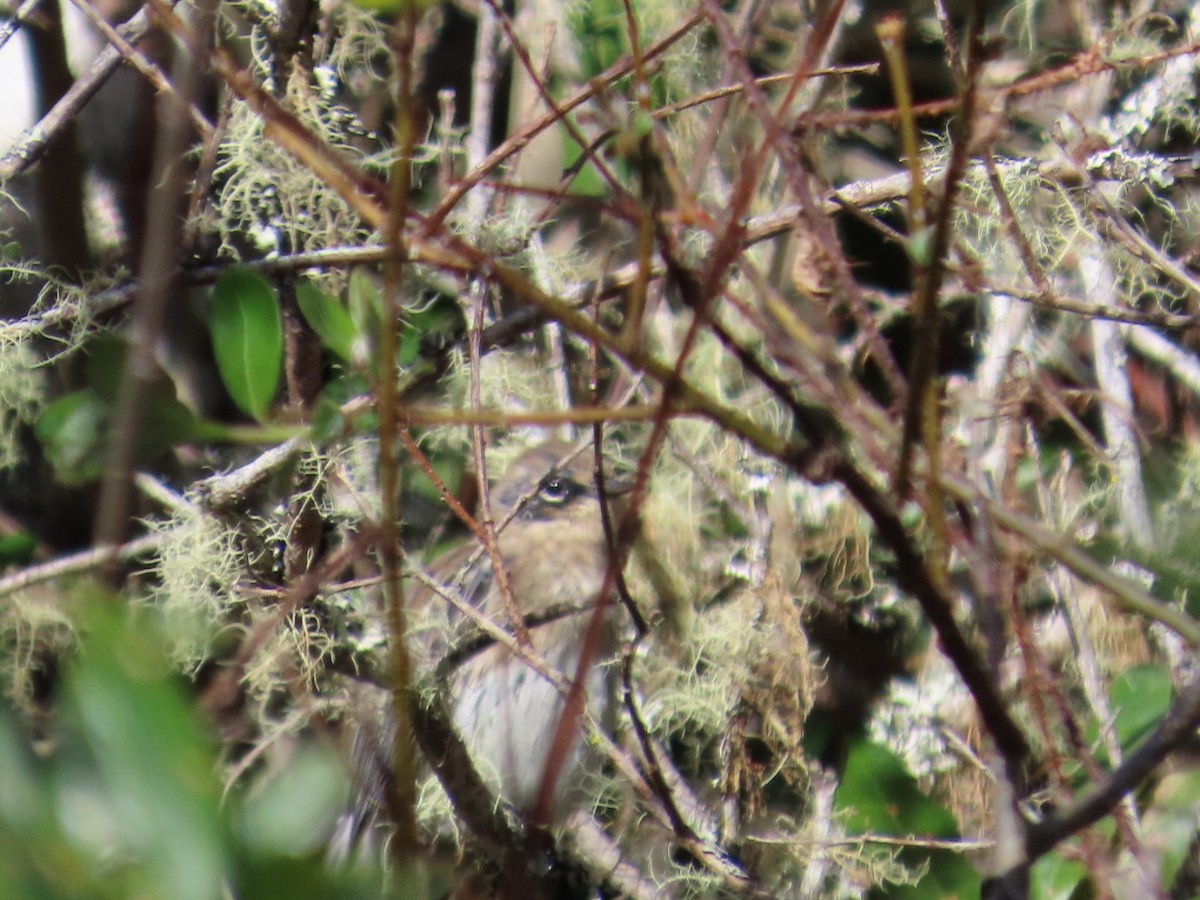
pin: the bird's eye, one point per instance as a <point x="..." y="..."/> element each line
<point x="557" y="490"/>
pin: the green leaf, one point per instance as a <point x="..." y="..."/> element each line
<point x="1055" y="878"/>
<point x="167" y="422"/>
<point x="129" y="805"/>
<point x="600" y="28"/>
<point x="150" y="773"/>
<point x="17" y="549"/>
<point x="588" y="182"/>
<point x="28" y="835"/>
<point x="449" y="469"/>
<point x="366" y="311"/>
<point x="106" y="355"/>
<point x="295" y="813"/>
<point x="1140" y="697"/>
<point x="328" y="318"/>
<point x="327" y="421"/>
<point x="75" y="429"/>
<point x="71" y="429"/>
<point x="1169" y="823"/>
<point x="392" y="7"/>
<point x="642" y="124"/>
<point x="880" y="796"/>
<point x="247" y="337"/>
<point x="24" y="803"/>
<point x="429" y="330"/>
<point x="920" y="246"/>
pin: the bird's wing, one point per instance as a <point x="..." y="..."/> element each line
<point x="436" y="622"/>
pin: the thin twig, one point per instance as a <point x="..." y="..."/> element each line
<point x="1177" y="727"/>
<point x="32" y="145"/>
<point x="558" y="110"/>
<point x="158" y="264"/>
<point x="140" y="61"/>
<point x="19" y="17"/>
<point x="1087" y="63"/>
<point x="79" y="563"/>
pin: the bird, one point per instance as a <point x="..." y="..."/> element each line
<point x="553" y="546"/>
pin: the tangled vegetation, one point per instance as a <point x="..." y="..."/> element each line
<point x="885" y="310"/>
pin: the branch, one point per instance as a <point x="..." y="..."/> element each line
<point x="1177" y="727"/>
<point x="33" y="143"/>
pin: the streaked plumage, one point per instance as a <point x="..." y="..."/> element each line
<point x="555" y="552"/>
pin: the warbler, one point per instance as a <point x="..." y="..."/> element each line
<point x="552" y="543"/>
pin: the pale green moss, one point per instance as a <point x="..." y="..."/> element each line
<point x="196" y="574"/>
<point x="33" y="622"/>
<point x="22" y="396"/>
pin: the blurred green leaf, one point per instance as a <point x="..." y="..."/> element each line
<point x="1140" y="697"/>
<point x="1172" y="563"/>
<point x="105" y="366"/>
<point x="327" y="318"/>
<point x="167" y="422"/>
<point x="365" y="303"/>
<point x="920" y="246"/>
<point x="71" y="430"/>
<point x="287" y="878"/>
<point x="588" y="182"/>
<point x="32" y="855"/>
<point x="327" y="421"/>
<point x="24" y="804"/>
<point x="296" y="811"/>
<point x="1169" y="823"/>
<point x="17" y="549"/>
<point x="75" y="429"/>
<point x="429" y="330"/>
<point x="1055" y="878"/>
<point x="878" y="795"/>
<point x="247" y="337"/>
<point x="129" y="804"/>
<point x="391" y="7"/>
<point x="447" y="466"/>
<point x="153" y="765"/>
<point x="601" y="30"/>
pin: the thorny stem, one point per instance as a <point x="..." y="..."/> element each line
<point x="642" y="137"/>
<point x="487" y="532"/>
<point x="405" y="845"/>
<point x="920" y="415"/>
<point x="890" y="31"/>
<point x="1087" y="63"/>
<point x="522" y="53"/>
<point x="557" y="111"/>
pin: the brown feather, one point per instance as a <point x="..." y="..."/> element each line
<point x="551" y="540"/>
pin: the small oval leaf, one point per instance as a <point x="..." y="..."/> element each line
<point x="1140" y="697"/>
<point x="327" y="421"/>
<point x="327" y="318"/>
<point x="920" y="246"/>
<point x="392" y="7"/>
<point x="71" y="430"/>
<point x="247" y="338"/>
